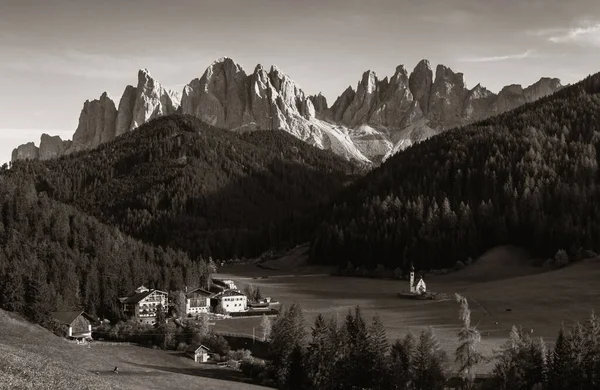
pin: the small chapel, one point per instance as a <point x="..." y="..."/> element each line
<point x="420" y="288"/>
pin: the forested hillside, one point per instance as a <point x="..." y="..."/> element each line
<point x="528" y="177"/>
<point x="53" y="257"/>
<point x="181" y="183"/>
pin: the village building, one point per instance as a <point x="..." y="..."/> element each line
<point x="76" y="324"/>
<point x="225" y="284"/>
<point x="420" y="287"/>
<point x="197" y="301"/>
<point x="142" y="304"/>
<point x="231" y="301"/>
<point x="198" y="352"/>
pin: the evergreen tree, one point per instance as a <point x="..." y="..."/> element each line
<point x="429" y="361"/>
<point x="296" y="374"/>
<point x="559" y="364"/>
<point x="12" y="291"/>
<point x="265" y="326"/>
<point x="591" y="357"/>
<point x="402" y="363"/>
<point x="287" y="332"/>
<point x="37" y="299"/>
<point x="380" y="348"/>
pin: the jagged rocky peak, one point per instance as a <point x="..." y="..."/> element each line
<point x="96" y="123"/>
<point x="218" y="97"/>
<point x="25" y="151"/>
<point x="125" y="111"/>
<point x="544" y="87"/>
<point x="420" y="82"/>
<point x="446" y="98"/>
<point x="152" y="100"/>
<point x="319" y="102"/>
<point x="52" y="146"/>
<point x="480" y="92"/>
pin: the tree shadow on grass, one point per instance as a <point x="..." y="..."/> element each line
<point x="203" y="370"/>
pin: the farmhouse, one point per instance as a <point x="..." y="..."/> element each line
<point x="197" y="301"/>
<point x="232" y="301"/>
<point x="142" y="304"/>
<point x="198" y="352"/>
<point x="77" y="324"/>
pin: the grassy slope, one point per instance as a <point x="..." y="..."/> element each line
<point x="33" y="358"/>
<point x="538" y="300"/>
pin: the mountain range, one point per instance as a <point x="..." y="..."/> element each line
<point x="366" y="124"/>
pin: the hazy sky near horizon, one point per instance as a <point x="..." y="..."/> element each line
<point x="55" y="54"/>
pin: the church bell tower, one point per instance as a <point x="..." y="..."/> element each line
<point x="412" y="278"/>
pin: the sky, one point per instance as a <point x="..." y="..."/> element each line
<point x="55" y="54"/>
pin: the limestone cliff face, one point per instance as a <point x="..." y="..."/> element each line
<point x="409" y="108"/>
<point x="25" y="152"/>
<point x="366" y="124"/>
<point x="52" y="146"/>
<point x="225" y="96"/>
<point x="152" y="100"/>
<point x="100" y="121"/>
<point x="96" y="123"/>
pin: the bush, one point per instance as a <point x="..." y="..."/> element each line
<point x="561" y="259"/>
<point x="217" y="344"/>
<point x="398" y="274"/>
<point x="182" y="346"/>
<point x="253" y="368"/>
<point x="459" y="265"/>
<point x="240" y="354"/>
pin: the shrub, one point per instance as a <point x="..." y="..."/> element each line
<point x="561" y="259"/>
<point x="253" y="368"/>
<point x="398" y="274"/>
<point x="459" y="265"/>
<point x="240" y="354"/>
<point x="182" y="346"/>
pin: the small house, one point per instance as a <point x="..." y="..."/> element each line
<point x="226" y="284"/>
<point x="77" y="324"/>
<point x="198" y="352"/>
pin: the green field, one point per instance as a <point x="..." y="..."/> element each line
<point x="33" y="358"/>
<point x="502" y="279"/>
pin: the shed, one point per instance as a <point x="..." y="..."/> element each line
<point x="198" y="352"/>
<point x="78" y="324"/>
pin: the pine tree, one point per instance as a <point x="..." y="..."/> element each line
<point x="467" y="355"/>
<point x="379" y="350"/>
<point x="12" y="291"/>
<point x="592" y="355"/>
<point x="287" y="332"/>
<point x="401" y="363"/>
<point x="296" y="375"/>
<point x="429" y="361"/>
<point x="37" y="297"/>
<point x="559" y="364"/>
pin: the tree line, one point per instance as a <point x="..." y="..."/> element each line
<point x="356" y="354"/>
<point x="528" y="177"/>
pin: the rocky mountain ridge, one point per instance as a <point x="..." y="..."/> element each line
<point x="366" y="124"/>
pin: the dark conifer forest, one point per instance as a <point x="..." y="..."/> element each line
<point x="54" y="257"/>
<point x="180" y="183"/>
<point x="528" y="177"/>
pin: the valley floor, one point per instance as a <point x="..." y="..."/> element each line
<point x="502" y="287"/>
<point x="33" y="358"/>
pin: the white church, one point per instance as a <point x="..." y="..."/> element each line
<point x="420" y="288"/>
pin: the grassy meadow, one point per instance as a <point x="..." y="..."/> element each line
<point x="503" y="289"/>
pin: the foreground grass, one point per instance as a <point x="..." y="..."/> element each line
<point x="33" y="358"/>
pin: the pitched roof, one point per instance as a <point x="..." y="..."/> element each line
<point x="198" y="290"/>
<point x="67" y="317"/>
<point x="229" y="293"/>
<point x="195" y="347"/>
<point x="136" y="297"/>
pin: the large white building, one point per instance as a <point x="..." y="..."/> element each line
<point x="144" y="303"/>
<point x="232" y="301"/>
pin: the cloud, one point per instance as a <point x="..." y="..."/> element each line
<point x="527" y="54"/>
<point x="585" y="36"/>
<point x="94" y="65"/>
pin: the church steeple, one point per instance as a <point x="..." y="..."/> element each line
<point x="412" y="277"/>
